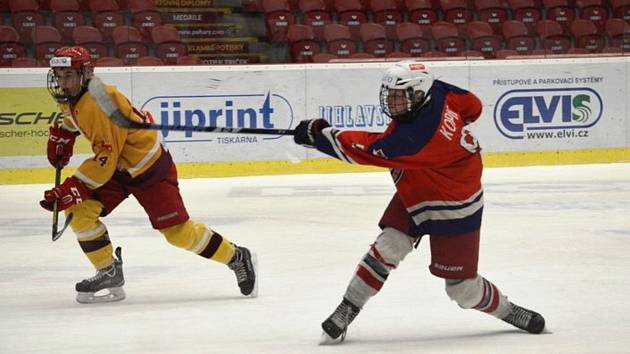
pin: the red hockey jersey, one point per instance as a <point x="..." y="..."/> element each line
<point x="434" y="160"/>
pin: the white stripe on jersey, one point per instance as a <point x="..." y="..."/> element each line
<point x="154" y="150"/>
<point x="331" y="135"/>
<point x="446" y="209"/>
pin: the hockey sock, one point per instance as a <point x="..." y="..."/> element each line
<point x="480" y="294"/>
<point x="200" y="239"/>
<point x="384" y="255"/>
<point x="91" y="233"/>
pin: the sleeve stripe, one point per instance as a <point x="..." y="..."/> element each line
<point x="87" y="180"/>
<point x="331" y="135"/>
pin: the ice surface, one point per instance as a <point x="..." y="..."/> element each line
<point x="554" y="239"/>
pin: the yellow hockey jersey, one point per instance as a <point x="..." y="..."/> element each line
<point x="115" y="148"/>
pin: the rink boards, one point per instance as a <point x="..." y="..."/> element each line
<point x="553" y="111"/>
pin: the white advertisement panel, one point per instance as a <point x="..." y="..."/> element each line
<point x="552" y="105"/>
<point x="256" y="97"/>
<point x="529" y="105"/>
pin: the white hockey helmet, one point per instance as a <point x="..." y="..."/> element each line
<point x="404" y="88"/>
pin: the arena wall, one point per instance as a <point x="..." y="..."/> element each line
<point x="552" y="111"/>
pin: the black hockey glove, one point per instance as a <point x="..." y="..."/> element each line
<point x="308" y="130"/>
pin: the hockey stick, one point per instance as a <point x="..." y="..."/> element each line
<point x="105" y="103"/>
<point x="55" y="218"/>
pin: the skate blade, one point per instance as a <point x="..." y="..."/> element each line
<point x="254" y="292"/>
<point x="109" y="295"/>
<point x="325" y="339"/>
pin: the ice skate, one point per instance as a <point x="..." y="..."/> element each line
<point x="336" y="325"/>
<point x="105" y="286"/>
<point x="244" y="265"/>
<point x="525" y="319"/>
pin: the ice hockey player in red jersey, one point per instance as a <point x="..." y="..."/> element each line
<point x="125" y="161"/>
<point x="435" y="163"/>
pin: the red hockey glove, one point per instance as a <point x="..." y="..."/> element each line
<point x="308" y="130"/>
<point x="67" y="194"/>
<point x="60" y="143"/>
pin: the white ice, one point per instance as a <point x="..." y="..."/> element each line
<point x="554" y="239"/>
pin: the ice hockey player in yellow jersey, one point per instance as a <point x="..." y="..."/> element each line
<point x="125" y="161"/>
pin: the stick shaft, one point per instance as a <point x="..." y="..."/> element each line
<point x="55" y="214"/>
<point x="263" y="131"/>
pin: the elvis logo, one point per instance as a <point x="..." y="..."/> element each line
<point x="519" y="111"/>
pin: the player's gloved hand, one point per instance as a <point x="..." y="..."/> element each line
<point x="60" y="144"/>
<point x="307" y="130"/>
<point x="70" y="192"/>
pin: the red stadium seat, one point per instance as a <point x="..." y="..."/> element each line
<point x="189" y="60"/>
<point x="339" y="40"/>
<point x="303" y="45"/>
<point x="526" y="12"/>
<point x="23" y="5"/>
<point x="46" y="39"/>
<point x="593" y="10"/>
<point x="386" y="13"/>
<point x="149" y="61"/>
<point x="350" y="13"/>
<point x="456" y="12"/>
<point x="169" y="45"/>
<point x="578" y="51"/>
<point x="323" y="57"/>
<point x="561" y="12"/>
<point x="412" y="39"/>
<point x="316" y="15"/>
<point x="421" y="12"/>
<point x="140" y="5"/>
<point x="492" y="12"/>
<point x="24" y="62"/>
<point x="517" y="37"/>
<point x="436" y="54"/>
<point x="144" y="16"/>
<point x="92" y="39"/>
<point x="128" y="44"/>
<point x="10" y="46"/>
<point x="505" y="53"/>
<point x="447" y="38"/>
<point x="106" y="16"/>
<point x="26" y="16"/>
<point x="109" y="61"/>
<point x="66" y="17"/>
<point x="375" y="41"/>
<point x="612" y="50"/>
<point x="278" y="17"/>
<point x="618" y="33"/>
<point x="483" y="39"/>
<point x="586" y="35"/>
<point x="396" y="54"/>
<point x="621" y="9"/>
<point x="361" y="55"/>
<point x="472" y="54"/>
<point x="552" y="37"/>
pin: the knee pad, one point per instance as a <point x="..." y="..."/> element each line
<point x="391" y="247"/>
<point x="467" y="293"/>
<point x="85" y="218"/>
<point x="183" y="235"/>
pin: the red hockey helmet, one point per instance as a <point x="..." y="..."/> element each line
<point x="77" y="58"/>
<point x="74" y="57"/>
